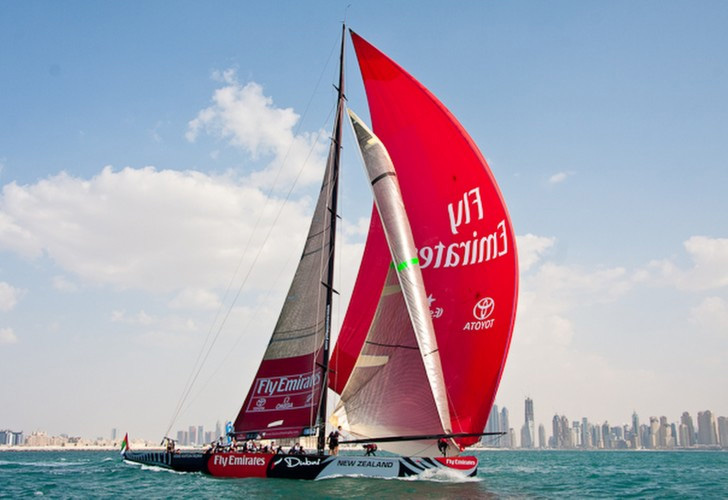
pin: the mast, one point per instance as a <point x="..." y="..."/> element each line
<point x="329" y="284"/>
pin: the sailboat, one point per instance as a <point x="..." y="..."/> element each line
<point x="422" y="347"/>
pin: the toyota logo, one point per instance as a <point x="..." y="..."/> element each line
<point x="483" y="308"/>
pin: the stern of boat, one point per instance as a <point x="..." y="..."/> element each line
<point x="178" y="461"/>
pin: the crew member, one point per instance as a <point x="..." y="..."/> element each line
<point x="442" y="446"/>
<point x="334" y="441"/>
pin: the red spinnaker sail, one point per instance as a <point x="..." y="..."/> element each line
<point x="464" y="237"/>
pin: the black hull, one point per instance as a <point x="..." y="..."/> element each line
<point x="242" y="465"/>
<point x="181" y="462"/>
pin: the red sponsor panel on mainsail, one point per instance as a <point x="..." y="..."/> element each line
<point x="465" y="241"/>
<point x="283" y="400"/>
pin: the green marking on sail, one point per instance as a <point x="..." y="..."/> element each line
<point x="406" y="263"/>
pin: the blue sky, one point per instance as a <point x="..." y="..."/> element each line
<point x="139" y="140"/>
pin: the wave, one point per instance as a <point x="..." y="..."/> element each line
<point x="154" y="468"/>
<point x="62" y="463"/>
<point x="430" y="475"/>
<point x="441" y="476"/>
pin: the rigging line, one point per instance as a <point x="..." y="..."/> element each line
<point x="250" y="269"/>
<point x="242" y="335"/>
<point x="188" y="385"/>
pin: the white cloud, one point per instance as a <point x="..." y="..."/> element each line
<point x="712" y="314"/>
<point x="246" y="118"/>
<point x="709" y="269"/>
<point x="153" y="230"/>
<point x="13" y="236"/>
<point x="9" y="296"/>
<point x="64" y="284"/>
<point x="140" y="319"/>
<point x="7" y="336"/>
<point x="559" y="177"/>
<point x="154" y="132"/>
<point x="190" y="298"/>
<point x="228" y="76"/>
<point x="531" y="248"/>
<point x="557" y="351"/>
<point x="360" y="228"/>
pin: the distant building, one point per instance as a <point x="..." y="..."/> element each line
<point x="528" y="431"/>
<point x="493" y="426"/>
<point x="707" y="432"/>
<point x="665" y="436"/>
<point x="689" y="431"/>
<point x="557" y="438"/>
<point x="723" y="431"/>
<point x="509" y="440"/>
<point x="636" y="438"/>
<point x="11" y="438"/>
<point x="606" y="436"/>
<point x="512" y="443"/>
<point x="40" y="438"/>
<point x="576" y="434"/>
<point x="541" y="436"/>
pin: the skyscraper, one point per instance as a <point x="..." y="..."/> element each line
<point x="723" y="431"/>
<point x="528" y="431"/>
<point x="493" y="425"/>
<point x="506" y="427"/>
<point x="637" y="439"/>
<point x="576" y="434"/>
<point x="586" y="437"/>
<point x="541" y="436"/>
<point x="707" y="433"/>
<point x="687" y="421"/>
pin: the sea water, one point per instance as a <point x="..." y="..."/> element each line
<point x="501" y="474"/>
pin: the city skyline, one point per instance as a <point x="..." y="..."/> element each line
<point x="688" y="431"/>
<point x="146" y="149"/>
<point x="711" y="431"/>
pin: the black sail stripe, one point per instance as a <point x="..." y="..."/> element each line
<point x="382" y="176"/>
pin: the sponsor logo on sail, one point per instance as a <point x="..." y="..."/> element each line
<point x="275" y="386"/>
<point x="435" y="312"/>
<point x="482" y="310"/>
<point x="286" y="404"/>
<point x="464" y="216"/>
